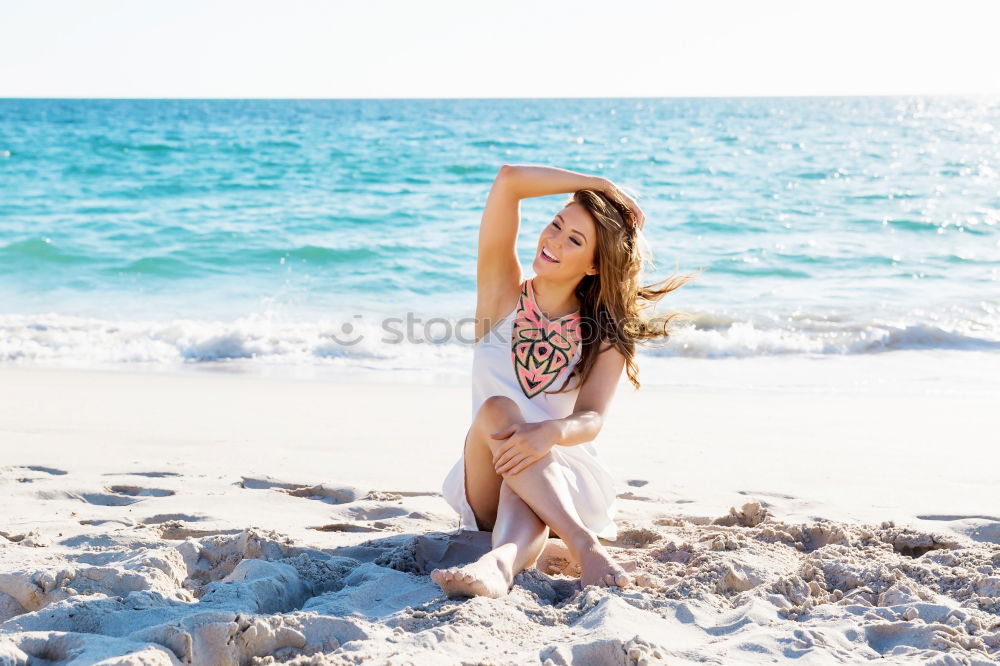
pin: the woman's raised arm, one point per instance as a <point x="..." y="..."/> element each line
<point x="539" y="181"/>
<point x="498" y="271"/>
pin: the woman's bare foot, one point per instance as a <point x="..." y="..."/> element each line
<point x="597" y="568"/>
<point x="489" y="576"/>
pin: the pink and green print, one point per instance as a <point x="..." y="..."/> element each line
<point x="541" y="349"/>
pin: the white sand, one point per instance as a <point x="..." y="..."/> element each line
<point x="168" y="519"/>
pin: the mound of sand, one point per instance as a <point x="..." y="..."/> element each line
<point x="740" y="587"/>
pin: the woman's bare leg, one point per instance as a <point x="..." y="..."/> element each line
<point x="518" y="539"/>
<point x="518" y="524"/>
<point x="518" y="534"/>
<point x="542" y="489"/>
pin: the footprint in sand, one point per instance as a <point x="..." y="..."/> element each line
<point x="329" y="493"/>
<point x="138" y="491"/>
<point x="267" y="483"/>
<point x="27" y="478"/>
<point x="100" y="499"/>
<point x="107" y="499"/>
<point x="377" y="512"/>
<point x="114" y="495"/>
<point x="45" y="470"/>
<point x="956" y="517"/>
<point x="168" y="517"/>
<point x="156" y="475"/>
<point x="389" y="495"/>
<point x="157" y="519"/>
<point x="345" y="527"/>
<point x="324" y="493"/>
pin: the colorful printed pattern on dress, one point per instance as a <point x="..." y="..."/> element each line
<point x="541" y="349"/>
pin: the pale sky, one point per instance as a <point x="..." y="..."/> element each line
<point x="515" y="48"/>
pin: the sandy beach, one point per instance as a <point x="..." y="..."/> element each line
<point x="224" y="519"/>
<point x="262" y="265"/>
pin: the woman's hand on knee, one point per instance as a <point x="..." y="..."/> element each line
<point x="525" y="443"/>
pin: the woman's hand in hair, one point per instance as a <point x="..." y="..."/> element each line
<point x="615" y="192"/>
<point x="526" y="444"/>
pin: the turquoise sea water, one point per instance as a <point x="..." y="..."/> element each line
<point x="172" y="233"/>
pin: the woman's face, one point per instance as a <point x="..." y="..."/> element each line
<point x="571" y="239"/>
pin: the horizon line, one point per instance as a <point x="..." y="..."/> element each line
<point x="554" y="97"/>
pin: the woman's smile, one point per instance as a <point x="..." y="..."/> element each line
<point x="547" y="256"/>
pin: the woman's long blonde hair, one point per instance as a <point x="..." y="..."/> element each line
<point x="612" y="301"/>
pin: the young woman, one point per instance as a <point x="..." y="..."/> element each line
<point x="549" y="353"/>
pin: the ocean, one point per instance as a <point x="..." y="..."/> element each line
<point x="848" y="242"/>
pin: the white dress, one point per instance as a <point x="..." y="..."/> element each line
<point x="524" y="354"/>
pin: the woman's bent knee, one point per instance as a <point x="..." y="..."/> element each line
<point x="499" y="405"/>
<point x="496" y="412"/>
